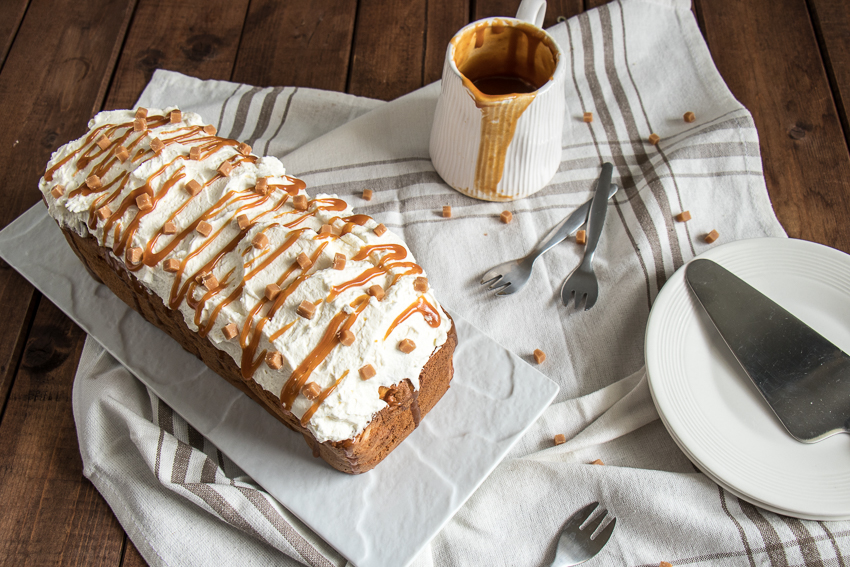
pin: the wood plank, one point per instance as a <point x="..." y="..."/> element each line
<point x="389" y="47"/>
<point x="194" y="37"/>
<point x="444" y="19"/>
<point x="301" y="44"/>
<point x="51" y="513"/>
<point x="20" y="301"/>
<point x="132" y="557"/>
<point x="11" y="14"/>
<point x="780" y="78"/>
<point x="831" y="20"/>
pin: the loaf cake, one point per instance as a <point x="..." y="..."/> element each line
<point x="320" y="315"/>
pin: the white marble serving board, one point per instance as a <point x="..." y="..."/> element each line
<point x="383" y="517"/>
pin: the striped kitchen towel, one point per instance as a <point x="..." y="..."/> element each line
<point x="638" y="65"/>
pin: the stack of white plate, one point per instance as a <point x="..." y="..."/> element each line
<point x="712" y="409"/>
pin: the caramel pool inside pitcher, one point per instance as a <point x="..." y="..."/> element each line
<point x="502" y="64"/>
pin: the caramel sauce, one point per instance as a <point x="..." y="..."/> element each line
<point x="421" y="305"/>
<point x="502" y="65"/>
<point x="305" y="419"/>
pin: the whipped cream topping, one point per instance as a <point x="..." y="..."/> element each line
<point x="128" y="183"/>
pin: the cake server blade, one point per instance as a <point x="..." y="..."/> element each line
<point x="804" y="378"/>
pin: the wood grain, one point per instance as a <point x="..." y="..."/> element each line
<point x="11" y="14"/>
<point x="389" y="43"/>
<point x="781" y="79"/>
<point x="444" y="19"/>
<point x="831" y="22"/>
<point x="194" y="37"/>
<point x="51" y="515"/>
<point x="301" y="44"/>
<point x="131" y="557"/>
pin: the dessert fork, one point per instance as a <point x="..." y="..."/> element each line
<point x="510" y="277"/>
<point x="577" y="545"/>
<point x="582" y="282"/>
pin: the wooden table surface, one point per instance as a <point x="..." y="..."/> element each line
<point x="61" y="61"/>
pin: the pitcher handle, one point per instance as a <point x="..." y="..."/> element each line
<point x="532" y="11"/>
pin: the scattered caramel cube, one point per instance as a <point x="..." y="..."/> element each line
<point x="380" y="230"/>
<point x="684" y="216"/>
<point x="377" y="292"/>
<point x="689" y="117"/>
<point x="339" y="261"/>
<point x="210" y="281"/>
<point x="346" y="337"/>
<point x="271" y="291"/>
<point x="367" y="194"/>
<point x="447" y="211"/>
<point x="306" y="309"/>
<point x="140" y="125"/>
<point x="193" y="187"/>
<point x="175" y="116"/>
<point x="712" y="236"/>
<point x="143" y="201"/>
<point x="597" y="462"/>
<point x="311" y="390"/>
<point x="122" y="153"/>
<point x="406" y="346"/>
<point x="195" y="152"/>
<point x="243" y="149"/>
<point x="210" y="130"/>
<point x="304" y="261"/>
<point x="588" y="117"/>
<point x="243" y="222"/>
<point x="104" y="142"/>
<point x="326" y="229"/>
<point x="229" y="331"/>
<point x="560" y="439"/>
<point x="157" y="145"/>
<point x="420" y="284"/>
<point x="274" y="360"/>
<point x="58" y="191"/>
<point x="226" y="168"/>
<point x="581" y="237"/>
<point x="171" y="265"/>
<point x="141" y="112"/>
<point x="665" y="564"/>
<point x="654" y="138"/>
<point x="539" y="356"/>
<point x="134" y="255"/>
<point x="299" y="202"/>
<point x="204" y="228"/>
<point x="93" y="182"/>
<point x="367" y="371"/>
<point x="260" y="241"/>
<point x="169" y="228"/>
<point x="262" y="186"/>
<point x="506" y="217"/>
<point x="104" y="212"/>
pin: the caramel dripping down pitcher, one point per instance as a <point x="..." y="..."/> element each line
<point x="500" y="116"/>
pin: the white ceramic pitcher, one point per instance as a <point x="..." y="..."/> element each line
<point x="500" y="116"/>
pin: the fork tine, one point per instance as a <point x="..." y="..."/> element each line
<point x="507" y="290"/>
<point x="594" y="524"/>
<point x="498" y="285"/>
<point x="579" y="298"/>
<point x="602" y="537"/>
<point x="591" y="300"/>
<point x="582" y="515"/>
<point x="490" y="276"/>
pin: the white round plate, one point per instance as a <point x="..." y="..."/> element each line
<point x="712" y="409"/>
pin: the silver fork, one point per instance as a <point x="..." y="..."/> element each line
<point x="582" y="282"/>
<point x="576" y="544"/>
<point x="512" y="276"/>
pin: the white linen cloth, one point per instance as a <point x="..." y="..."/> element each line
<point x="638" y="65"/>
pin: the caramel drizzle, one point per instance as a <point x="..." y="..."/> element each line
<point x="305" y="419"/>
<point x="184" y="287"/>
<point x="421" y="305"/>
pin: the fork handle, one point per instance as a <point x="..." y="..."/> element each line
<point x="567" y="226"/>
<point x="598" y="208"/>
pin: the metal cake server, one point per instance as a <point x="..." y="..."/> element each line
<point x="802" y="376"/>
